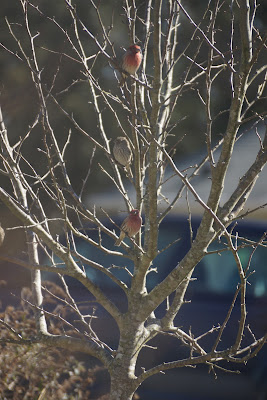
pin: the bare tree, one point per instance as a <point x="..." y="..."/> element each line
<point x="51" y="205"/>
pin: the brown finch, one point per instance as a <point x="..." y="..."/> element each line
<point x="122" y="153"/>
<point x="130" y="226"/>
<point x="131" y="61"/>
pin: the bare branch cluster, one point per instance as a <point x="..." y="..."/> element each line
<point x="52" y="205"/>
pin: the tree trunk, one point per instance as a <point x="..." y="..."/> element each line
<point x="122" y="372"/>
<point x="122" y="387"/>
<point x="123" y="379"/>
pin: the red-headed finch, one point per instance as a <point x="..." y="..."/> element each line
<point x="131" y="61"/>
<point x="130" y="226"/>
<point x="122" y="153"/>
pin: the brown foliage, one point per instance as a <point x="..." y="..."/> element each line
<point x="37" y="372"/>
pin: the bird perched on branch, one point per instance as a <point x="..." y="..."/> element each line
<point x="130" y="226"/>
<point x="2" y="235"/>
<point x="122" y="153"/>
<point x="131" y="61"/>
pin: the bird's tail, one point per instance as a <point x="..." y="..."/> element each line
<point x="129" y="171"/>
<point x="123" y="79"/>
<point x="120" y="239"/>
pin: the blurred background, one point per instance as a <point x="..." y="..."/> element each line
<point x="20" y="104"/>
